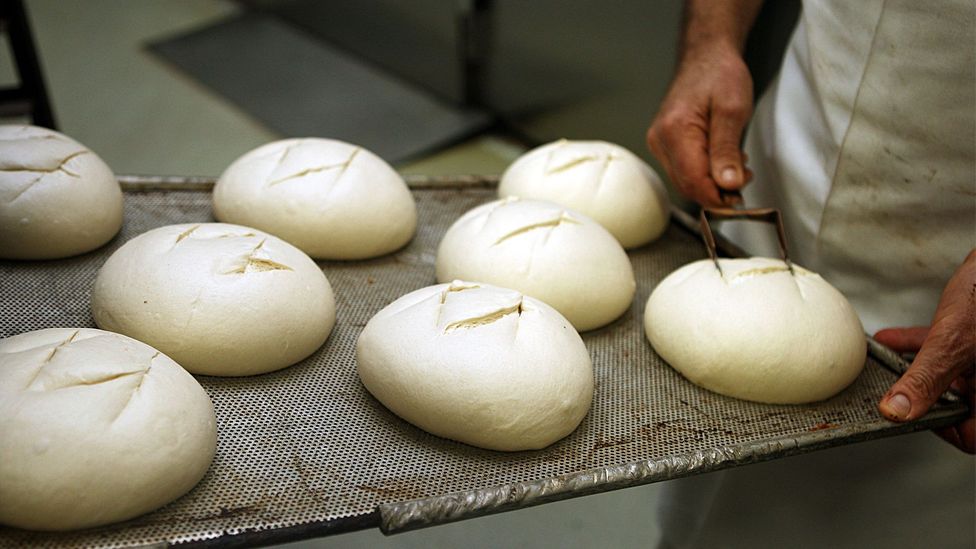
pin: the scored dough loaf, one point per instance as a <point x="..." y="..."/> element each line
<point x="601" y="180"/>
<point x="331" y="199"/>
<point x="97" y="428"/>
<point x="57" y="198"/>
<point x="220" y="299"/>
<point x="756" y="332"/>
<point x="543" y="250"/>
<point x="479" y="364"/>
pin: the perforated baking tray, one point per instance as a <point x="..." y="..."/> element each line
<point x="306" y="451"/>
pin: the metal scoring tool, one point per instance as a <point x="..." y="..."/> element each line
<point x="765" y="215"/>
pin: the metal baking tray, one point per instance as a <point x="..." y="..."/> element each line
<point x="306" y="451"/>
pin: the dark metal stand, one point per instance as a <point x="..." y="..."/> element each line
<point x="30" y="97"/>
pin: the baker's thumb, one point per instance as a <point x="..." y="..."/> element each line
<point x="903" y="340"/>
<point x="726" y="125"/>
<point x="917" y="389"/>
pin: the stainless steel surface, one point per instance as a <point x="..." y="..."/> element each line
<point x="306" y="451"/>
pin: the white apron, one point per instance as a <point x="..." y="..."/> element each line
<point x="866" y="143"/>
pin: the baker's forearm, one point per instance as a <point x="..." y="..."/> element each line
<point x="697" y="132"/>
<point x="717" y="23"/>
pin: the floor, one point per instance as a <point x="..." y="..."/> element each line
<point x="143" y="117"/>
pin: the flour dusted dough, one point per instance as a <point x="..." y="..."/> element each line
<point x="602" y="180"/>
<point x="331" y="199"/>
<point x="480" y="364"/>
<point x="546" y="251"/>
<point x="756" y="333"/>
<point x="97" y="428"/>
<point x="57" y="198"/>
<point x="220" y="299"/>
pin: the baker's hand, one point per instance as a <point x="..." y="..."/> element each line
<point x="697" y="132"/>
<point x="946" y="358"/>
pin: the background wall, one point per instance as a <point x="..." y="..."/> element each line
<point x="547" y="68"/>
<point x="551" y="68"/>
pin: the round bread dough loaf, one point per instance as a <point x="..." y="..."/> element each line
<point x="57" y="198"/>
<point x="756" y="332"/>
<point x="543" y="250"/>
<point x="97" y="428"/>
<point x="220" y="299"/>
<point x="331" y="199"/>
<point x="479" y="364"/>
<point x="604" y="181"/>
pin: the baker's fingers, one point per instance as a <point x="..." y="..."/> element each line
<point x="940" y="360"/>
<point x="734" y="198"/>
<point x="961" y="435"/>
<point x="727" y="120"/>
<point x="692" y="179"/>
<point x="945" y="354"/>
<point x="903" y="340"/>
<point x="729" y="198"/>
<point x="656" y="147"/>
<point x="948" y="351"/>
<point x="678" y="138"/>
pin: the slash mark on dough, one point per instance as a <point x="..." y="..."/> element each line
<point x="482" y="320"/>
<point x="253" y="264"/>
<point x="548" y="224"/>
<point x="341" y="166"/>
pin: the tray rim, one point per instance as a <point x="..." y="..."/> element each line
<point x="436" y="510"/>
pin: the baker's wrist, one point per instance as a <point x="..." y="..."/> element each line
<point x="710" y="51"/>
